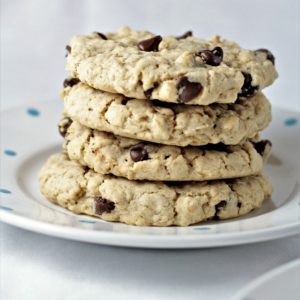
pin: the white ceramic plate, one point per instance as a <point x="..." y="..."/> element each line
<point x="29" y="135"/>
<point x="277" y="284"/>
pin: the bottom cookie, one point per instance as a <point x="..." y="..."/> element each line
<point x="145" y="203"/>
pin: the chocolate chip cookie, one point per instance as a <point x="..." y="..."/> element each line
<point x="183" y="69"/>
<point x="139" y="160"/>
<point x="167" y="123"/>
<point x="110" y="198"/>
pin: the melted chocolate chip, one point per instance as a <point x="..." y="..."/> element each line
<point x="138" y="152"/>
<point x="70" y="82"/>
<point x="185" y="35"/>
<point x="187" y="90"/>
<point x="64" y="126"/>
<point x="150" y="44"/>
<point x="103" y="37"/>
<point x="68" y="48"/>
<point x="248" y="89"/>
<point x="260" y="146"/>
<point x="103" y="205"/>
<point x="212" y="57"/>
<point x="269" y="54"/>
<point x="239" y="204"/>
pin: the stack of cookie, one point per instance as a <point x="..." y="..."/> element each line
<point x="161" y="130"/>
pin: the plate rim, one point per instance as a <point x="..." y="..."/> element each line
<point x="162" y="241"/>
<point x="265" y="277"/>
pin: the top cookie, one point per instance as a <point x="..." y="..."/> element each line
<point x="182" y="69"/>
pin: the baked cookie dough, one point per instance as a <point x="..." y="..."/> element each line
<point x="138" y="160"/>
<point x="110" y="198"/>
<point x="183" y="69"/>
<point x="166" y="123"/>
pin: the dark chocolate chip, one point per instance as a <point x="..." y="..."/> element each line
<point x="187" y="90"/>
<point x="85" y="170"/>
<point x="148" y="93"/>
<point x="103" y="205"/>
<point x="68" y="48"/>
<point x="260" y="146"/>
<point x="212" y="57"/>
<point x="124" y="101"/>
<point x="70" y="82"/>
<point x="269" y="54"/>
<point x="150" y="44"/>
<point x="64" y="126"/>
<point x="248" y="89"/>
<point x="101" y="35"/>
<point x="220" y="205"/>
<point x="185" y="35"/>
<point x="138" y="152"/>
<point x="239" y="204"/>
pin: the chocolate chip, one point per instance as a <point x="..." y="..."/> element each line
<point x="138" y="152"/>
<point x="260" y="146"/>
<point x="101" y="35"/>
<point x="218" y="207"/>
<point x="239" y="204"/>
<point x="248" y="90"/>
<point x="103" y="205"/>
<point x="150" y="44"/>
<point x="187" y="90"/>
<point x="64" y="126"/>
<point x="212" y="57"/>
<point x="162" y="104"/>
<point x="185" y="35"/>
<point x="68" y="48"/>
<point x="124" y="101"/>
<point x="70" y="82"/>
<point x="85" y="170"/>
<point x="269" y="54"/>
<point x="148" y="93"/>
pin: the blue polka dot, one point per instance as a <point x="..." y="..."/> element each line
<point x="33" y="112"/>
<point x="10" y="152"/>
<point x="290" y="122"/>
<point x="87" y="221"/>
<point x="5" y="191"/>
<point x="201" y="228"/>
<point x="6" y="208"/>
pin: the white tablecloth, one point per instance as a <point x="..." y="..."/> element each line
<point x="35" y="266"/>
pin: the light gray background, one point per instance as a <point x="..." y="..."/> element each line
<point x="33" y="38"/>
<point x="34" y="34"/>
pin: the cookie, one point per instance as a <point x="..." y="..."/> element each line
<point x="166" y="123"/>
<point x="146" y="203"/>
<point x="138" y="160"/>
<point x="180" y="70"/>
